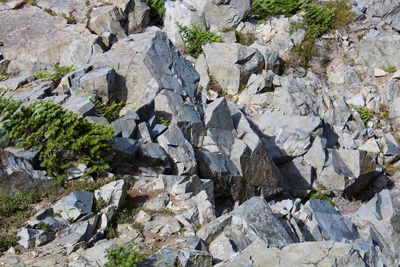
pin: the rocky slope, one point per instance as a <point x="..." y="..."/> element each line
<point x="243" y="156"/>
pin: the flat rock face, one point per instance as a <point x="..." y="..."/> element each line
<point x="146" y="63"/>
<point x="34" y="40"/>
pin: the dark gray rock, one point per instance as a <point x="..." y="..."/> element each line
<point x="259" y="222"/>
<point x="74" y="206"/>
<point x="80" y="105"/>
<point x="179" y="149"/>
<point x="17" y="175"/>
<point x="94" y="80"/>
<point x="325" y="223"/>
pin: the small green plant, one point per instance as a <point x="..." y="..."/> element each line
<point x="164" y="211"/>
<point x="157" y="10"/>
<point x="389" y="68"/>
<point x="163" y="121"/>
<point x="318" y="19"/>
<point x="110" y="110"/>
<point x="123" y="257"/>
<point x="43" y="226"/>
<point x="3" y="77"/>
<point x="321" y="196"/>
<point x="246" y="38"/>
<point x="14" y="211"/>
<point x="138" y="226"/>
<point x="194" y="37"/>
<point x="58" y="72"/>
<point x="99" y="204"/>
<point x="70" y="19"/>
<point x="61" y="136"/>
<point x="366" y="114"/>
<point x="266" y="8"/>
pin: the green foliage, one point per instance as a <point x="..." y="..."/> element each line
<point x="109" y="111"/>
<point x="162" y="120"/>
<point x="366" y="114"/>
<point x="388" y="68"/>
<point x="195" y="37"/>
<point x="266" y="8"/>
<point x="164" y="211"/>
<point x="245" y="38"/>
<point x="61" y="136"/>
<point x="157" y="10"/>
<point x="318" y="19"/>
<point x="14" y="211"/>
<point x="99" y="204"/>
<point x="58" y="72"/>
<point x="3" y="77"/>
<point x="321" y="196"/>
<point x="123" y="257"/>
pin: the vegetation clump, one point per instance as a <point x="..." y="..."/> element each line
<point x="58" y="72"/>
<point x="389" y="68"/>
<point x="61" y="136"/>
<point x="157" y="10"/>
<point x="366" y="114"/>
<point x="163" y="121"/>
<point x="194" y="37"/>
<point x="318" y="19"/>
<point x="246" y="38"/>
<point x="14" y="211"/>
<point x="109" y="111"/>
<point x="321" y="196"/>
<point x="123" y="257"/>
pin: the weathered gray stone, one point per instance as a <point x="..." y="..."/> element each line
<point x="330" y="224"/>
<point x="80" y="105"/>
<point x="142" y="72"/>
<point x="324" y="253"/>
<point x="74" y="206"/>
<point x="106" y="20"/>
<point x="258" y="222"/>
<point x="179" y="149"/>
<point x="113" y="194"/>
<point x="180" y="12"/>
<point x="223" y="14"/>
<point x="17" y="175"/>
<point x="382" y="211"/>
<point x="27" y="31"/>
<point x="231" y="65"/>
<point x="91" y="81"/>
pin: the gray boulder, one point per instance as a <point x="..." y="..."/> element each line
<point x="222" y="14"/>
<point x="113" y="194"/>
<point x="17" y="175"/>
<point x="91" y="81"/>
<point x="379" y="217"/>
<point x="142" y="73"/>
<point x="326" y="253"/>
<point x="27" y="31"/>
<point x="179" y="149"/>
<point x="323" y="222"/>
<point x="349" y="171"/>
<point x="106" y="21"/>
<point x="74" y="206"/>
<point x="231" y="64"/>
<point x="80" y="105"/>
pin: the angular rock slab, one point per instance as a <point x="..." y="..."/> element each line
<point x="147" y="62"/>
<point x="113" y="194"/>
<point x="231" y="64"/>
<point x="74" y="206"/>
